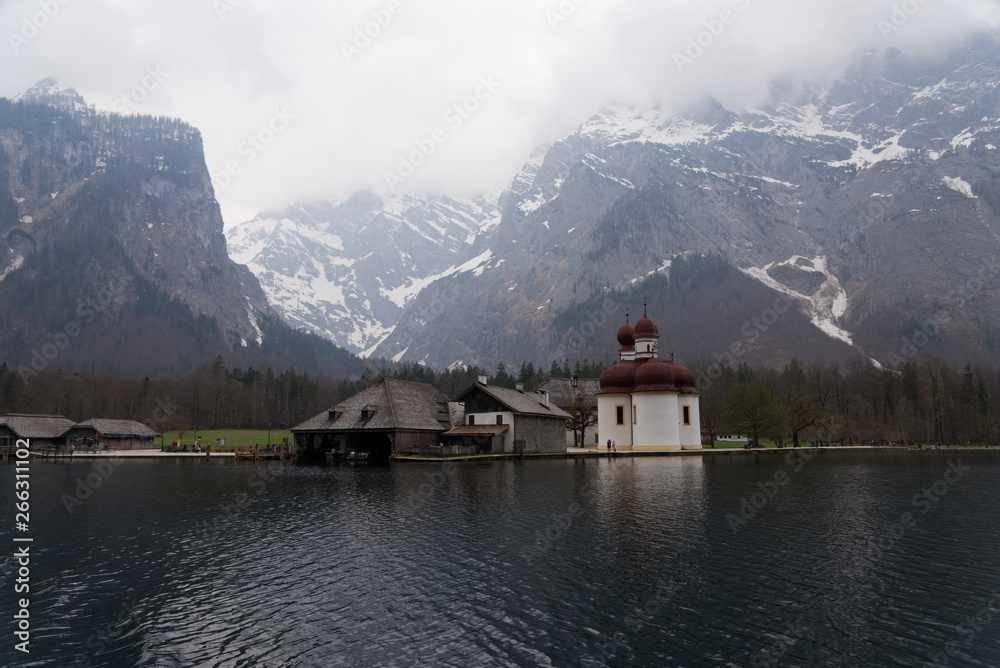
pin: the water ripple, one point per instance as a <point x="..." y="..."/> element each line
<point x="610" y="562"/>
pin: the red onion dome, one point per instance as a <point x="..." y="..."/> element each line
<point x="683" y="378"/>
<point x="646" y="329"/>
<point x="626" y="336"/>
<point x="619" y="378"/>
<point x="654" y="376"/>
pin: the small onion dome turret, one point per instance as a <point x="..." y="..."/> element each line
<point x="619" y="378"/>
<point x="646" y="329"/>
<point x="654" y="376"/>
<point x="626" y="336"/>
<point x="683" y="378"/>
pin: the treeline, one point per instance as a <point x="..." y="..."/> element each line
<point x="220" y="397"/>
<point x="211" y="397"/>
<point x="453" y="381"/>
<point x="926" y="401"/>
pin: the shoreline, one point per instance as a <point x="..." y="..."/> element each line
<point x="128" y="454"/>
<point x="577" y="453"/>
<point x="571" y="453"/>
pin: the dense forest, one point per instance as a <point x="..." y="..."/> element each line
<point x="230" y="398"/>
<point x="923" y="400"/>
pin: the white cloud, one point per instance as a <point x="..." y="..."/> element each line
<point x="354" y="117"/>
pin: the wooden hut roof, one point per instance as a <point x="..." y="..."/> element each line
<point x="388" y="405"/>
<point x="37" y="426"/>
<point x="525" y="403"/>
<point x="119" y="428"/>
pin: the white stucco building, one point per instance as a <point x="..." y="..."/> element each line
<point x="646" y="403"/>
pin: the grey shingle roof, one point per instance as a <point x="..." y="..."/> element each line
<point x="125" y="428"/>
<point x="528" y="403"/>
<point x="564" y="394"/>
<point x="37" y="426"/>
<point x="391" y="405"/>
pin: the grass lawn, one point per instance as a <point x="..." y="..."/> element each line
<point x="722" y="445"/>
<point x="232" y="436"/>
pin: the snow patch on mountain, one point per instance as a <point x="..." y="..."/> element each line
<point x="14" y="266"/>
<point x="533" y="204"/>
<point x="659" y="270"/>
<point x="404" y="293"/>
<point x="959" y="185"/>
<point x="253" y="322"/>
<point x="864" y="156"/>
<point x="620" y="125"/>
<point x="826" y="305"/>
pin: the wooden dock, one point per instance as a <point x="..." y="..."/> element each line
<point x="50" y="452"/>
<point x="258" y="452"/>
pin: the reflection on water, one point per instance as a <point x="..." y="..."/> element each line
<point x="564" y="562"/>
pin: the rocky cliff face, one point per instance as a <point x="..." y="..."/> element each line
<point x="871" y="208"/>
<point x="113" y="232"/>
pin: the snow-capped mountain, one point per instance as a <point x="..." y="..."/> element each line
<point x="870" y="208"/>
<point x="873" y="205"/>
<point x="55" y="93"/>
<point x="346" y="270"/>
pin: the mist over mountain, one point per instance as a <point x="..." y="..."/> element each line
<point x="865" y="212"/>
<point x="870" y="206"/>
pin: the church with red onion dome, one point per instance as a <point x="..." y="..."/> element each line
<point x="646" y="403"/>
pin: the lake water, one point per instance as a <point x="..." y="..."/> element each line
<point x="841" y="560"/>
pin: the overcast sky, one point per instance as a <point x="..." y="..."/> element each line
<point x="333" y="109"/>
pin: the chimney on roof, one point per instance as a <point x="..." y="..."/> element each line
<point x="519" y="387"/>
<point x="483" y="380"/>
<point x="543" y="398"/>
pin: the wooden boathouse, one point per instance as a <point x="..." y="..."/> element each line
<point x="44" y="431"/>
<point x="112" y="435"/>
<point x="392" y="417"/>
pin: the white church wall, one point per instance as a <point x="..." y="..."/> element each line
<point x="656" y="425"/>
<point x="607" y="420"/>
<point x="690" y="435"/>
